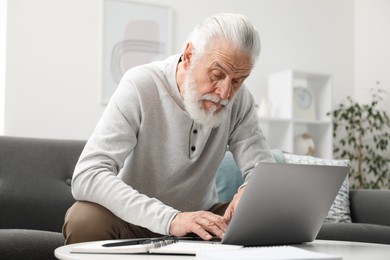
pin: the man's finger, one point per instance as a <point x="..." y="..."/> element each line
<point x="212" y="227"/>
<point x="211" y="223"/>
<point x="228" y="213"/>
<point x="200" y="231"/>
<point x="219" y="221"/>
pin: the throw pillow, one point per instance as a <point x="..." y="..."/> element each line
<point x="228" y="178"/>
<point x="340" y="211"/>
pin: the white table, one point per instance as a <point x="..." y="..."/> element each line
<point x="347" y="250"/>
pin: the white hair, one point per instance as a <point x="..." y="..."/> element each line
<point x="234" y="28"/>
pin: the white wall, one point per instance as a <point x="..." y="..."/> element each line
<point x="3" y="53"/>
<point x="372" y="55"/>
<point x="53" y="54"/>
<point x="52" y="68"/>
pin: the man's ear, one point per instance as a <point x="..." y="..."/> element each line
<point x="187" y="55"/>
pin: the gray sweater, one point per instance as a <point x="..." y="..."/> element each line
<point x="147" y="159"/>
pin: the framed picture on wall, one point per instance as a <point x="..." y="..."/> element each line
<point x="133" y="34"/>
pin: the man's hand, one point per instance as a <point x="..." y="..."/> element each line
<point x="202" y="223"/>
<point x="233" y="205"/>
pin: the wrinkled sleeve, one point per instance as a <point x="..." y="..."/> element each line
<point x="96" y="178"/>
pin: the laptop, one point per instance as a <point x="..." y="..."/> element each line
<point x="284" y="204"/>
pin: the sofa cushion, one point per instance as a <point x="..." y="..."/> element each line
<point x="29" y="244"/>
<point x="370" y="206"/>
<point x="357" y="232"/>
<point x="228" y="178"/>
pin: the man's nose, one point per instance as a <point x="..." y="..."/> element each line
<point x="224" y="89"/>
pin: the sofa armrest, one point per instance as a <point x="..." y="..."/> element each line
<point x="35" y="179"/>
<point x="370" y="206"/>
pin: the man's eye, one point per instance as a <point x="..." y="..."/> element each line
<point x="237" y="82"/>
<point x="217" y="75"/>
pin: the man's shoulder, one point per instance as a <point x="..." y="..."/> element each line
<point x="148" y="80"/>
<point x="155" y="70"/>
<point x="243" y="98"/>
<point x="143" y="73"/>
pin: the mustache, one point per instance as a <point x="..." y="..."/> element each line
<point x="214" y="99"/>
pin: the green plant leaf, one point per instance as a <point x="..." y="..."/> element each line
<point x="362" y="132"/>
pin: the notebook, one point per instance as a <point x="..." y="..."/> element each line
<point x="165" y="245"/>
<point x="284" y="204"/>
<point x="204" y="250"/>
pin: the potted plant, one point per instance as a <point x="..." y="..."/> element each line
<point x="362" y="134"/>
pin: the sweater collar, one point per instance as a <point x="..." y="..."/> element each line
<point x="170" y="74"/>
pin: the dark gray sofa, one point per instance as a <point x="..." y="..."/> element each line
<point x="35" y="193"/>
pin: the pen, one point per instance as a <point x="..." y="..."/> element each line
<point x="131" y="242"/>
<point x="138" y="241"/>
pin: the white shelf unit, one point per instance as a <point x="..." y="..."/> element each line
<point x="281" y="127"/>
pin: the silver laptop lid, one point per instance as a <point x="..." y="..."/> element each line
<point x="284" y="204"/>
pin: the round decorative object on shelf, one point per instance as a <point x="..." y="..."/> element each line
<point x="304" y="144"/>
<point x="303" y="104"/>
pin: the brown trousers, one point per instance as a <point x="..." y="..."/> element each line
<point x="87" y="221"/>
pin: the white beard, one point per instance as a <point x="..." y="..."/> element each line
<point x="193" y="102"/>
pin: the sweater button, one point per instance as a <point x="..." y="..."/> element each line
<point x="193" y="148"/>
<point x="195" y="131"/>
